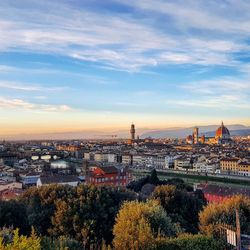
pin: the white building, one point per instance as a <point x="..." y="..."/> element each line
<point x="71" y="180"/>
<point x="138" y="160"/>
<point x="127" y="159"/>
<point x="159" y="162"/>
<point x="100" y="157"/>
<point x="182" y="164"/>
<point x="87" y="155"/>
<point x="112" y="158"/>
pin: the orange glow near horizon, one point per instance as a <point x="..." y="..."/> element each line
<point x="62" y="125"/>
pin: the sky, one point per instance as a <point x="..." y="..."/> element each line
<point x="73" y="65"/>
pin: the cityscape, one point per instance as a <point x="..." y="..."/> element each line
<point x="124" y="125"/>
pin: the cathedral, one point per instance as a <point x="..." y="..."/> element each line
<point x="222" y="136"/>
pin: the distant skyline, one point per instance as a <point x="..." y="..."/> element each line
<point x="71" y="65"/>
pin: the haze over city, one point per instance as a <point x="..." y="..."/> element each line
<point x="70" y="66"/>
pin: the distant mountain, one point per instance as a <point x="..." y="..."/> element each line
<point x="235" y="129"/>
<point x="237" y="132"/>
<point x="74" y="135"/>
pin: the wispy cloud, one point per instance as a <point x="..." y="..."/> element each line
<point x="27" y="87"/>
<point x="221" y="93"/>
<point x="223" y="16"/>
<point x="121" y="41"/>
<point x="19" y="104"/>
<point x="222" y="102"/>
<point x="219" y="85"/>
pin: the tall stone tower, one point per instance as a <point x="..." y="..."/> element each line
<point x="132" y="131"/>
<point x="196" y="135"/>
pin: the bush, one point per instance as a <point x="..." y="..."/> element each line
<point x="182" y="207"/>
<point x="188" y="242"/>
<point x="138" y="224"/>
<point x="60" y="243"/>
<point x="224" y="212"/>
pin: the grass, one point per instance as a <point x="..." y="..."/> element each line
<point x="196" y="178"/>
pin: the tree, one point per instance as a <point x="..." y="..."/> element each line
<point x="21" y="242"/>
<point x="89" y="217"/>
<point x="61" y="243"/>
<point x="138" y="224"/>
<point x="214" y="214"/>
<point x="188" y="242"/>
<point x="137" y="185"/>
<point x="13" y="213"/>
<point x="181" y="206"/>
<point x="153" y="178"/>
<point x="146" y="191"/>
<point x="41" y="204"/>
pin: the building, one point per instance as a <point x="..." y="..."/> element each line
<point x="109" y="176"/>
<point x="10" y="194"/>
<point x="196" y="135"/>
<point x="10" y="190"/>
<point x="132" y="132"/>
<point x="88" y="156"/>
<point x="222" y="134"/>
<point x="229" y="165"/>
<point x="5" y="185"/>
<point x="235" y="166"/>
<point x="244" y="168"/>
<point x="137" y="160"/>
<point x="70" y="180"/>
<point x="159" y="162"/>
<point x="182" y="164"/>
<point x="112" y="158"/>
<point x="101" y="157"/>
<point x="189" y="139"/>
<point x="127" y="159"/>
<point x="30" y="179"/>
<point x="218" y="194"/>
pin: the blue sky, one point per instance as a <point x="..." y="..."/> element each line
<point x="84" y="65"/>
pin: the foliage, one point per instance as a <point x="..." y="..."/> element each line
<point x="153" y="178"/>
<point x="21" y="242"/>
<point x="40" y="204"/>
<point x="13" y="213"/>
<point x="224" y="212"/>
<point x="178" y="183"/>
<point x="139" y="223"/>
<point x="88" y="216"/>
<point x="188" y="242"/>
<point x="137" y="185"/>
<point x="61" y="243"/>
<point x="204" y="178"/>
<point x="146" y="191"/>
<point x="182" y="207"/>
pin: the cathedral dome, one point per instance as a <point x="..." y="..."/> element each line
<point x="222" y="132"/>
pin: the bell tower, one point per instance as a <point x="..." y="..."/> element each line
<point x="132" y="131"/>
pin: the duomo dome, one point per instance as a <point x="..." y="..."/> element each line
<point x="222" y="132"/>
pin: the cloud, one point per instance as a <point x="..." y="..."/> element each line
<point x="19" y="104"/>
<point x="224" y="16"/>
<point x="27" y="87"/>
<point x="222" y="102"/>
<point x="124" y="41"/>
<point x="220" y="85"/>
<point x="221" y="93"/>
